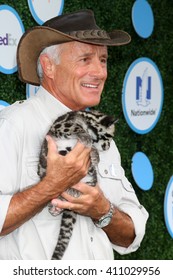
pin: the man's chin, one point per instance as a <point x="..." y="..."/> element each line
<point x="93" y="103"/>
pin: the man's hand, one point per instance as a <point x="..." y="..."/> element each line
<point x="91" y="202"/>
<point x="65" y="171"/>
<point x="94" y="204"/>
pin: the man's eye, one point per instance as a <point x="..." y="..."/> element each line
<point x="104" y="60"/>
<point x="85" y="59"/>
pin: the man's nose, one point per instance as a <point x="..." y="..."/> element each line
<point x="98" y="69"/>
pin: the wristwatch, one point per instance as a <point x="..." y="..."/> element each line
<point x="106" y="219"/>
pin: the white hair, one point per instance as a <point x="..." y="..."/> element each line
<point x="53" y="52"/>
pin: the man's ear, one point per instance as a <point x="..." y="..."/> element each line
<point x="47" y="65"/>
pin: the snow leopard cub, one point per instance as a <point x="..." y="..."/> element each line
<point x="94" y="129"/>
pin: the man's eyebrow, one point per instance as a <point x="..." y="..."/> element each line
<point x="91" y="54"/>
<point x="105" y="55"/>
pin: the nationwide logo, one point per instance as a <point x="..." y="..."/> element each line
<point x="143" y="89"/>
<point x="135" y="113"/>
<point x="11" y="30"/>
<point x="142" y="96"/>
<point x="42" y="10"/>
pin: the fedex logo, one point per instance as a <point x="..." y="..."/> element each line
<point x="8" y="40"/>
<point x="11" y="30"/>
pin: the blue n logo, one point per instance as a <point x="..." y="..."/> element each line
<point x="143" y="89"/>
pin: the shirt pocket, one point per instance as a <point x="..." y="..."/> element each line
<point x="115" y="173"/>
<point x="32" y="169"/>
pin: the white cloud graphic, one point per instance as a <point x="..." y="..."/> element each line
<point x="11" y="30"/>
<point x="42" y="10"/>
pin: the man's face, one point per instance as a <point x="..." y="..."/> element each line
<point x="79" y="79"/>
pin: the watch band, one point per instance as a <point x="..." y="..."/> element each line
<point x="105" y="219"/>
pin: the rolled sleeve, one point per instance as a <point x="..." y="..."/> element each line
<point x="139" y="217"/>
<point x="120" y="192"/>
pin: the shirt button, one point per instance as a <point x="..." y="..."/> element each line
<point x="106" y="171"/>
<point x="91" y="239"/>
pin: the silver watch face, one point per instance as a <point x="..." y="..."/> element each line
<point x="105" y="221"/>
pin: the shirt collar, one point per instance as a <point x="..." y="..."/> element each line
<point x="53" y="106"/>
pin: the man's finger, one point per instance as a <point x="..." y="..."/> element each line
<point x="52" y="147"/>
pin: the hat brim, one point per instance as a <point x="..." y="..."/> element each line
<point x="36" y="39"/>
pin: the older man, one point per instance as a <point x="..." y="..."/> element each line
<point x="67" y="57"/>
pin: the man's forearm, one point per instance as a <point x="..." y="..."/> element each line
<point x="24" y="205"/>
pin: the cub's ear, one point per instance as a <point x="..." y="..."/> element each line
<point x="114" y="121"/>
<point x="108" y="121"/>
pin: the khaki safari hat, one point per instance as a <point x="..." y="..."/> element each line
<point x="78" y="26"/>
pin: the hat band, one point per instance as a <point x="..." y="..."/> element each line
<point x="89" y="34"/>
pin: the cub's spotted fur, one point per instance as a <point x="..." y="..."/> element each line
<point x="93" y="129"/>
